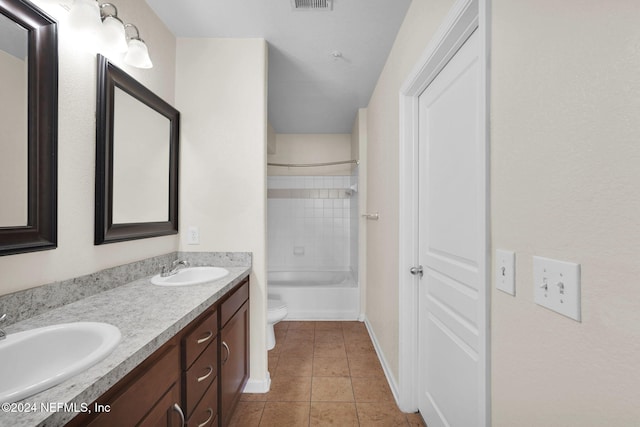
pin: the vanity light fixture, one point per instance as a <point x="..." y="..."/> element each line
<point x="85" y="16"/>
<point x="138" y="53"/>
<point x="113" y="28"/>
<point x="91" y="17"/>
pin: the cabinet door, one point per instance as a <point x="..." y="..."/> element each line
<point x="166" y="413"/>
<point x="234" y="355"/>
<point x="156" y="380"/>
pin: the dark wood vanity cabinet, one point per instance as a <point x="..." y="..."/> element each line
<point x="147" y="396"/>
<point x="196" y="378"/>
<point x="234" y="338"/>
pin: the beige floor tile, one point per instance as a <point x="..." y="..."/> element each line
<point x="365" y="365"/>
<point x="415" y="420"/>
<point x="330" y="367"/>
<point x="281" y="326"/>
<point x="333" y="414"/>
<point x="247" y="414"/>
<point x="331" y="389"/>
<point x="272" y="360"/>
<point x="295" y="367"/>
<point x="357" y="348"/>
<point x="329" y="335"/>
<point x="300" y="335"/>
<point x="329" y="349"/>
<point x="300" y="325"/>
<point x="380" y="414"/>
<point x="289" y="389"/>
<point x="375" y="389"/>
<point x="253" y="397"/>
<point x="297" y="350"/>
<point x="289" y="414"/>
<point x="328" y="325"/>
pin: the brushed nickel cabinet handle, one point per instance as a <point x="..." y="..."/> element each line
<point x="210" y="411"/>
<point x="207" y="375"/>
<point x="224" y="344"/>
<point x="178" y="409"/>
<point x="206" y="338"/>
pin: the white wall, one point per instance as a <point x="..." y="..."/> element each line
<point x="221" y="93"/>
<point x="359" y="151"/>
<point x="565" y="173"/>
<point x="565" y="103"/>
<point x="76" y="254"/>
<point x="422" y="20"/>
<point x="311" y="148"/>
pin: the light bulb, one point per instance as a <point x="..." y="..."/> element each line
<point x="138" y="54"/>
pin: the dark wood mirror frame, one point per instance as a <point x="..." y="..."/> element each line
<point x="110" y="77"/>
<point x="40" y="233"/>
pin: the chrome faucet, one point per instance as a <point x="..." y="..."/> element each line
<point x="3" y="334"/>
<point x="175" y="267"/>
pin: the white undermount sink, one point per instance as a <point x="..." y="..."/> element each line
<point x="191" y="276"/>
<point x="37" y="359"/>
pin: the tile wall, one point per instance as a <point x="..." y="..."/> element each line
<point x="310" y="223"/>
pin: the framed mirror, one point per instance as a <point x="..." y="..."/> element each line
<point x="137" y="146"/>
<point x="28" y="128"/>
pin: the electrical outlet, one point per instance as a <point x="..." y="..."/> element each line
<point x="505" y="269"/>
<point x="193" y="235"/>
<point x="557" y="286"/>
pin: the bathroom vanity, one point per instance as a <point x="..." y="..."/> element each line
<point x="183" y="355"/>
<point x="195" y="378"/>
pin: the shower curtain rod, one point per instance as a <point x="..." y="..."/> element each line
<point x="310" y="165"/>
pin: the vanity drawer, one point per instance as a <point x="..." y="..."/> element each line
<point x="234" y="302"/>
<point x="200" y="376"/>
<point x="196" y="341"/>
<point x="206" y="413"/>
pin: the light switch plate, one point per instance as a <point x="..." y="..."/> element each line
<point x="505" y="270"/>
<point x="557" y="286"/>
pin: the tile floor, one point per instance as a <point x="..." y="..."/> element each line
<point x="323" y="374"/>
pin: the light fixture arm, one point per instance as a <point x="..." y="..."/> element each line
<point x="104" y="15"/>
<point x="137" y="36"/>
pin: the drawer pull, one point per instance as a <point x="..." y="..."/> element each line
<point x="224" y="344"/>
<point x="206" y="338"/>
<point x="178" y="409"/>
<point x="207" y="375"/>
<point x="210" y="411"/>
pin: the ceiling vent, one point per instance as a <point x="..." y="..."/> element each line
<point x="312" y="4"/>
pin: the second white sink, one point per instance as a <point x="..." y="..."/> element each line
<point x="191" y="276"/>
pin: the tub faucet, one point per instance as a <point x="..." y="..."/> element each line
<point x="175" y="267"/>
<point x="3" y="334"/>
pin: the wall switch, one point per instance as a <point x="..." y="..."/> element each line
<point x="505" y="267"/>
<point x="193" y="235"/>
<point x="557" y="286"/>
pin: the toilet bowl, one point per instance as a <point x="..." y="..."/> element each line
<point x="276" y="311"/>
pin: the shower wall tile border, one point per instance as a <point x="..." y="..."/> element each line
<point x="24" y="304"/>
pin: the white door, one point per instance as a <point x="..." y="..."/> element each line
<point x="452" y="244"/>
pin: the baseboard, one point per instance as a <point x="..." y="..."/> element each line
<point x="258" y="386"/>
<point x="393" y="384"/>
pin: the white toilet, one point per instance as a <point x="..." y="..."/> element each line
<point x="276" y="311"/>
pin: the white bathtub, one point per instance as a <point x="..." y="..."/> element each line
<point x="316" y="295"/>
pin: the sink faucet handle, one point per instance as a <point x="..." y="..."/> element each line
<point x="179" y="262"/>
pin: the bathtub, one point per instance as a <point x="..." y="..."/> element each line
<point x="316" y="295"/>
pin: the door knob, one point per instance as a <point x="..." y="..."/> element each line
<point x="417" y="271"/>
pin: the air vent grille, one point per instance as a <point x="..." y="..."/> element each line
<point x="312" y="4"/>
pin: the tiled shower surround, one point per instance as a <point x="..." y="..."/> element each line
<point x="311" y="223"/>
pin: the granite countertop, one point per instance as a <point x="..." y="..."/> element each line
<point x="147" y="316"/>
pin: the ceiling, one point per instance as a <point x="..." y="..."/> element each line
<point x="310" y="89"/>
